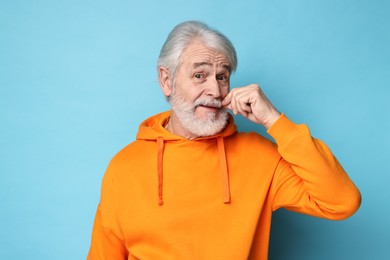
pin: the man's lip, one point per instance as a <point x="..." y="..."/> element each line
<point x="209" y="104"/>
<point x="206" y="106"/>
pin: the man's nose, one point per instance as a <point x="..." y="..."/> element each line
<point x="213" y="88"/>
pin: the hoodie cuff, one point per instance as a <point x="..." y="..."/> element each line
<point x="283" y="129"/>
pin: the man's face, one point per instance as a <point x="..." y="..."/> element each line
<point x="202" y="82"/>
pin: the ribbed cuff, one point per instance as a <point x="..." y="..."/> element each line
<point x="283" y="129"/>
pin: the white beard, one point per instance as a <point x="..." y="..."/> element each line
<point x="211" y="125"/>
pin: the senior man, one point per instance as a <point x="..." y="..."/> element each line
<point x="191" y="186"/>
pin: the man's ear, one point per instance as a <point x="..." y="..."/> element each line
<point x="165" y="80"/>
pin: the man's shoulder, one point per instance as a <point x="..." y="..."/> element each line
<point x="133" y="149"/>
<point x="131" y="158"/>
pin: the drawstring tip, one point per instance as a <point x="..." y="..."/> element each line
<point x="160" y="202"/>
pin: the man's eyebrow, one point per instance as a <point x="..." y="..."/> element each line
<point x="200" y="64"/>
<point x="227" y="67"/>
<point x="205" y="63"/>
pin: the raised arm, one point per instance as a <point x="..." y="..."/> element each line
<point x="308" y="179"/>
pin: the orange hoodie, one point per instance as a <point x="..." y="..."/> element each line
<point x="166" y="197"/>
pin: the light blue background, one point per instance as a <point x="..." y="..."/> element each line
<point x="77" y="78"/>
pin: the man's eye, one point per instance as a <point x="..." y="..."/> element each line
<point x="198" y="76"/>
<point x="221" y="77"/>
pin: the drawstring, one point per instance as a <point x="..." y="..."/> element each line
<point x="224" y="169"/>
<point x="160" y="155"/>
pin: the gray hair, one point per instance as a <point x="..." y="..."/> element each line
<point x="184" y="34"/>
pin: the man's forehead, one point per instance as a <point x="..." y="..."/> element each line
<point x="197" y="55"/>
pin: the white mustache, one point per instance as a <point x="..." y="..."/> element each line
<point x="209" y="103"/>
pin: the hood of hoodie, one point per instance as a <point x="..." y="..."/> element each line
<point x="153" y="129"/>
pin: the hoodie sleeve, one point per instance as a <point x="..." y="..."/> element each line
<point x="308" y="178"/>
<point x="107" y="241"/>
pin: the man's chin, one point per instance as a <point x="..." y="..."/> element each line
<point x="207" y="113"/>
<point x="212" y="123"/>
<point x="203" y="123"/>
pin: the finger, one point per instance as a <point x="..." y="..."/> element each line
<point x="234" y="107"/>
<point x="228" y="106"/>
<point x="240" y="106"/>
<point x="245" y="109"/>
<point x="230" y="102"/>
<point x="226" y="101"/>
<point x="241" y="100"/>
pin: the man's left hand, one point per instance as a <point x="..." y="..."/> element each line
<point x="251" y="102"/>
